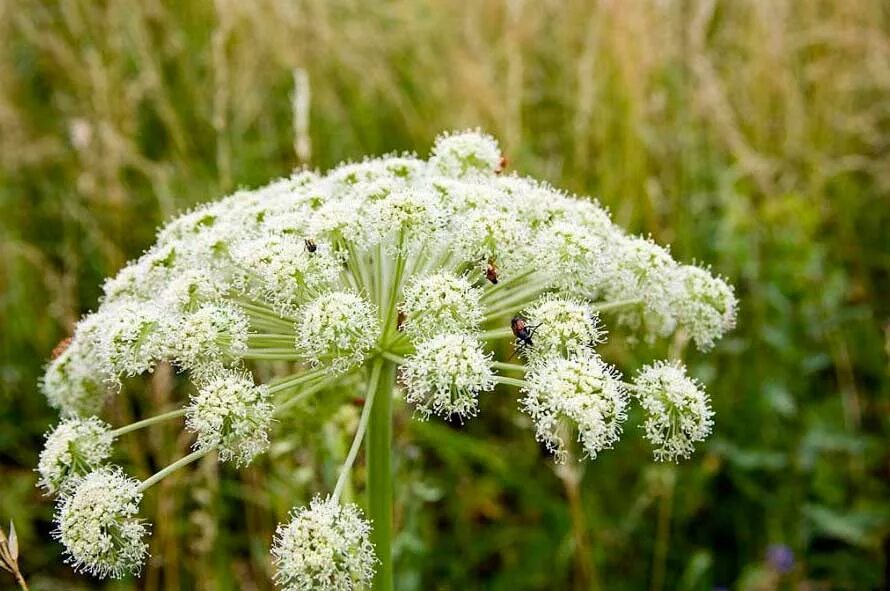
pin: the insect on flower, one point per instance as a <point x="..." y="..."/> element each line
<point x="60" y="348"/>
<point x="523" y="333"/>
<point x="311" y="247"/>
<point x="491" y="272"/>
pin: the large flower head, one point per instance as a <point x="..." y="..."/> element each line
<point x="99" y="526"/>
<point x="467" y="276"/>
<point x="324" y="547"/>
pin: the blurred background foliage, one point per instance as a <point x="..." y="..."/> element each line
<point x="753" y="135"/>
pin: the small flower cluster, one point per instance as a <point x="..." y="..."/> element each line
<point x="433" y="265"/>
<point x="98" y="524"/>
<point x="231" y="414"/>
<point x="324" y="547"/>
<point x="678" y="411"/>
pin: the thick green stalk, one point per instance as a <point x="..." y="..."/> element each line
<point x="379" y="459"/>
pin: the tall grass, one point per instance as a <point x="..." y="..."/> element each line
<point x="752" y="133"/>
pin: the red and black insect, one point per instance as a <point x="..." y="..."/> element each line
<point x="311" y="247"/>
<point x="491" y="272"/>
<point x="523" y="333"/>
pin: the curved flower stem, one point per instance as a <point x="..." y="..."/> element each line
<point x="304" y="394"/>
<point x="511" y="381"/>
<point x="497" y="333"/>
<point x="515" y="301"/>
<point x="393" y="357"/>
<point x="507" y="284"/>
<point x="509" y="366"/>
<point x="389" y="318"/>
<point x="295" y="380"/>
<point x="272" y="355"/>
<point x="269" y="340"/>
<point x="149" y="421"/>
<point x="180" y="463"/>
<point x="379" y="461"/>
<point x="359" y="432"/>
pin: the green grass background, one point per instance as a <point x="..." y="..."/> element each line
<point x="753" y="135"/>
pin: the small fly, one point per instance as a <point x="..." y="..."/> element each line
<point x="311" y="247"/>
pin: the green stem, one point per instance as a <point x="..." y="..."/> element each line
<point x="181" y="462"/>
<point x="508" y="366"/>
<point x="511" y="382"/>
<point x="506" y="285"/>
<point x="359" y="432"/>
<point x="393" y="357"/>
<point x="379" y="458"/>
<point x="295" y="380"/>
<point x="149" y="421"/>
<point x="497" y="333"/>
<point x="304" y="394"/>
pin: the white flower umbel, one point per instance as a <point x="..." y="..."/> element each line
<point x="324" y="547"/>
<point x="563" y="327"/>
<point x="706" y="306"/>
<point x="233" y="414"/>
<point x="446" y="375"/>
<point x="645" y="272"/>
<point x="282" y="270"/>
<point x="131" y="338"/>
<point x="583" y="394"/>
<point x="344" y="276"/>
<point x="337" y="329"/>
<point x="442" y="302"/>
<point x="78" y="381"/>
<point x="462" y="154"/>
<point x="73" y="448"/>
<point x="98" y="523"/>
<point x="678" y="411"/>
<point x="214" y="332"/>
